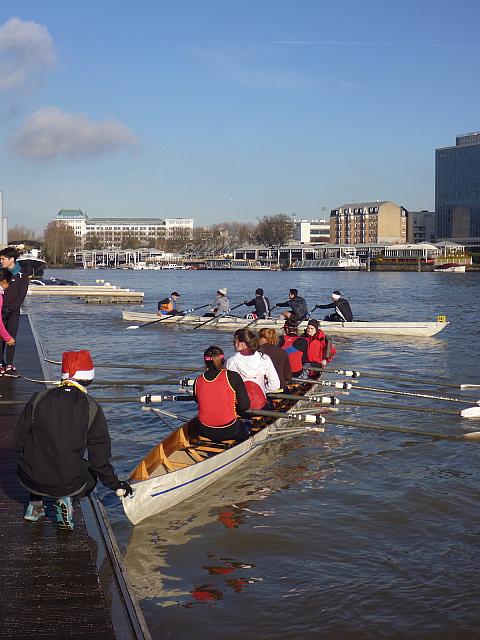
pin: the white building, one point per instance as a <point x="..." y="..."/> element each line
<point x="110" y="232"/>
<point x="311" y="230"/>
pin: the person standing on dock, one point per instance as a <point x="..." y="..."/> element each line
<point x="221" y="306"/>
<point x="168" y="306"/>
<point x="261" y="304"/>
<point x="297" y="304"/>
<point x="53" y="432"/>
<point x="342" y="313"/>
<point x="12" y="301"/>
<point x="5" y="279"/>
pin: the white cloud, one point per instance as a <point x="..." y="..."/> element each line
<point x="26" y="50"/>
<point x="51" y="133"/>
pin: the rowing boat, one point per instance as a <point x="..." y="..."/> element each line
<point x="183" y="463"/>
<point x="231" y="323"/>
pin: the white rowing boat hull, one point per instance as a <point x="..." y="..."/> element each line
<point x="157" y="494"/>
<point x="418" y="329"/>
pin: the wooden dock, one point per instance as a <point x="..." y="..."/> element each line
<point x="98" y="293"/>
<point x="55" y="584"/>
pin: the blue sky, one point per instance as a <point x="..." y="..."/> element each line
<point x="224" y="110"/>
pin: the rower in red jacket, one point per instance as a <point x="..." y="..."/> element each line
<point x="320" y="348"/>
<point x="221" y="395"/>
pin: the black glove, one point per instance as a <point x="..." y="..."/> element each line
<point x="245" y="302"/>
<point x="128" y="491"/>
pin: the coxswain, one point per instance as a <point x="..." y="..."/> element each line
<point x="55" y="430"/>
<point x="297" y="304"/>
<point x="320" y="347"/>
<point x="168" y="306"/>
<point x="256" y="368"/>
<point x="268" y="343"/>
<point x="221" y="306"/>
<point x="295" y="346"/>
<point x="221" y="395"/>
<point x="261" y="304"/>
<point x="342" y="313"/>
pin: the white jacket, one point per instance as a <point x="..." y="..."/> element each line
<point x="258" y="368"/>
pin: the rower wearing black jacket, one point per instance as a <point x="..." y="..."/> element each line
<point x="297" y="304"/>
<point x="261" y="304"/>
<point x="343" y="313"/>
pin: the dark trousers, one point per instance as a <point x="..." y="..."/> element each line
<point x="11" y="325"/>
<point x="87" y="489"/>
<point x="238" y="431"/>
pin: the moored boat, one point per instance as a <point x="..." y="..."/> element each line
<point x="231" y="323"/>
<point x="184" y="464"/>
<point x="450" y="267"/>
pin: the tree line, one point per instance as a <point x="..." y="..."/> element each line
<point x="59" y="240"/>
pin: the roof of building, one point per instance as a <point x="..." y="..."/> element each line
<point x="130" y="221"/>
<point x="71" y="213"/>
<point x="356" y="205"/>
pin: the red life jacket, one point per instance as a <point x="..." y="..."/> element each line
<point x="216" y="401"/>
<point x="257" y="398"/>
<point x="294" y="355"/>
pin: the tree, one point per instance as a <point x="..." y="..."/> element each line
<point x="19" y="233"/>
<point x="274" y="230"/>
<point x="130" y="242"/>
<point x="93" y="242"/>
<point x="59" y="240"/>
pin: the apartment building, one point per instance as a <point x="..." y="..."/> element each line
<point x="365" y="222"/>
<point x="311" y="230"/>
<point x="421" y="226"/>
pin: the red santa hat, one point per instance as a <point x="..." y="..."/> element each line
<point x="77" y="365"/>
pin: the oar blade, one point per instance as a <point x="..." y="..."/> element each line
<point x="133" y="326"/>
<point x="471" y="412"/>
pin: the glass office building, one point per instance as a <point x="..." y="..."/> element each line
<point x="457" y="188"/>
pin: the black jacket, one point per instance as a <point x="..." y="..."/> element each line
<point x="298" y="306"/>
<point x="15" y="295"/>
<point x="262" y="306"/>
<point x="341" y="306"/>
<point x="51" y="437"/>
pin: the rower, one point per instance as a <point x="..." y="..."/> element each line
<point x="320" y="347"/>
<point x="261" y="304"/>
<point x="297" y="304"/>
<point x="221" y="306"/>
<point x="296" y="347"/>
<point x="256" y="368"/>
<point x="168" y="306"/>
<point x="342" y="313"/>
<point x="221" y="395"/>
<point x="268" y="343"/>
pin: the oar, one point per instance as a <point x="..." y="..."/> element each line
<point x="471" y="412"/>
<point x="135" y="399"/>
<point x="257" y="319"/>
<point x="414" y="395"/>
<point x="441" y="382"/>
<point x="337" y="384"/>
<point x="165" y="317"/>
<point x="324" y="398"/>
<point x="145" y="367"/>
<point x="341" y="422"/>
<point x="217" y="317"/>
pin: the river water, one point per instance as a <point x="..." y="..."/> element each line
<point x="351" y="534"/>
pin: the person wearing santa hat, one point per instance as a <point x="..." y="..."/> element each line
<point x="55" y="429"/>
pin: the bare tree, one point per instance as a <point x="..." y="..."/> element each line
<point x="274" y="230"/>
<point x="59" y="239"/>
<point x="93" y="242"/>
<point x="20" y="233"/>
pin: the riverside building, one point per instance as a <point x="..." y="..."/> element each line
<point x="112" y="232"/>
<point x="421" y="226"/>
<point x="311" y="230"/>
<point x="457" y="189"/>
<point x="366" y="222"/>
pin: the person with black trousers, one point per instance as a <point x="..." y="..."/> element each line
<point x="12" y="301"/>
<point x="261" y="304"/>
<point x="297" y="304"/>
<point x="342" y="313"/>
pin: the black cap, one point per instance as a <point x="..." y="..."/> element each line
<point x="337" y="293"/>
<point x="259" y="291"/>
<point x="174" y="293"/>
